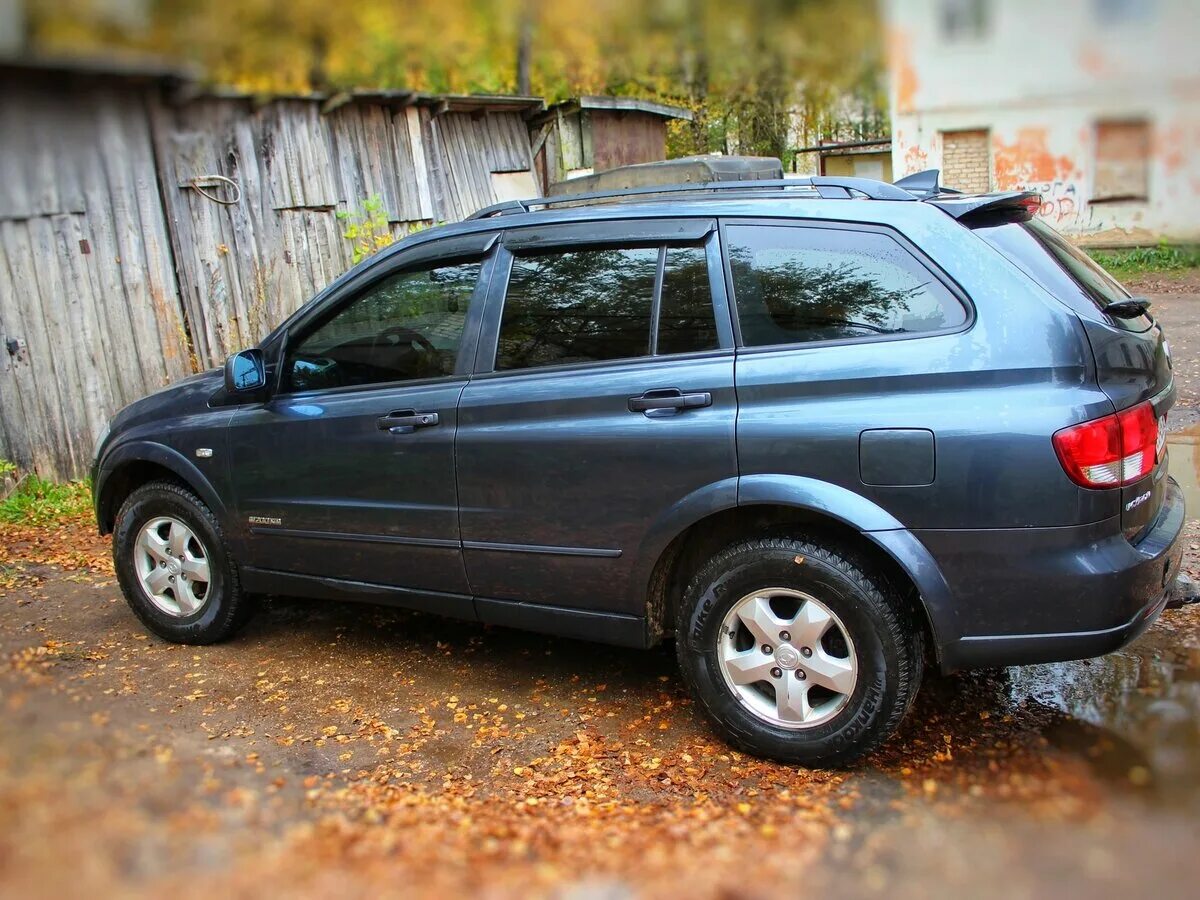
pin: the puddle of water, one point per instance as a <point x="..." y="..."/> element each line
<point x="1135" y="714"/>
<point x="1184" y="449"/>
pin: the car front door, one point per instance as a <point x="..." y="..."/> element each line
<point x="348" y="471"/>
<point x="603" y="396"/>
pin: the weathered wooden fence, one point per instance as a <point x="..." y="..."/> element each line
<point x="89" y="303"/>
<point x="143" y="237"/>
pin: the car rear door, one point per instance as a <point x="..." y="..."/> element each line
<point x="602" y="396"/>
<point x="347" y="472"/>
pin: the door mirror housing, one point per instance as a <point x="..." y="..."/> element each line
<point x="246" y="372"/>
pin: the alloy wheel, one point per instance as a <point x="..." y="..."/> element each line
<point x="172" y="566"/>
<point x="787" y="657"/>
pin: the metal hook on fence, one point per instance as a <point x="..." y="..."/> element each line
<point x="201" y="182"/>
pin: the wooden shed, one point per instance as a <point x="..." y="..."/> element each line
<point x="147" y="229"/>
<point x="254" y="190"/>
<point x="590" y="134"/>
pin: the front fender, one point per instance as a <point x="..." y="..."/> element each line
<point x="138" y="451"/>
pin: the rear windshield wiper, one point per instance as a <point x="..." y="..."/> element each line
<point x="1129" y="308"/>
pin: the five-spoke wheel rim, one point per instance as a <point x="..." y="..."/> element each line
<point x="787" y="657"/>
<point x="172" y="567"/>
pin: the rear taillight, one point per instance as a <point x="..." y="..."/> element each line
<point x="1112" y="451"/>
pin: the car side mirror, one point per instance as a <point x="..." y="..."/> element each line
<point x="245" y="372"/>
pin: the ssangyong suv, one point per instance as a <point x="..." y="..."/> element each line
<point x="821" y="432"/>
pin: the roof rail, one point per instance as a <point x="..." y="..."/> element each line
<point x="828" y="187"/>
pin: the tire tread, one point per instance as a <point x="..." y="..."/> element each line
<point x="893" y="614"/>
<point x="237" y="606"/>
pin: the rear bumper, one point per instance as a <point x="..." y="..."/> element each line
<point x="1051" y="594"/>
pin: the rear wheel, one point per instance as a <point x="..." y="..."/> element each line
<point x="174" y="568"/>
<point x="797" y="653"/>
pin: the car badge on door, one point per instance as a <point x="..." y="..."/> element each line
<point x="265" y="520"/>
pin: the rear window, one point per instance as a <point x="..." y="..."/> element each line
<point x="1057" y="264"/>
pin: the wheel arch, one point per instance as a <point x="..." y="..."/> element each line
<point x="714" y="517"/>
<point x="131" y="465"/>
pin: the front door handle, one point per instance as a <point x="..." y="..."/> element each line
<point x="668" y="401"/>
<point x="406" y="421"/>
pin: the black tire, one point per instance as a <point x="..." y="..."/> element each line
<point x="225" y="608"/>
<point x="889" y="648"/>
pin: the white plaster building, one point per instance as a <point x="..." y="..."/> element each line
<point x="1094" y="103"/>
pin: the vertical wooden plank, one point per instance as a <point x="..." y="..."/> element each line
<point x="59" y="309"/>
<point x="51" y="456"/>
<point x="104" y="270"/>
<point x="420" y="163"/>
<point x="435" y="154"/>
<point x="94" y="372"/>
<point x="20" y="413"/>
<point x="114" y="147"/>
<point x="161" y="300"/>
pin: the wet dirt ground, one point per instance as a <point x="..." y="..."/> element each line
<point x="346" y="750"/>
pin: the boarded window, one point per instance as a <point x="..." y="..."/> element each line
<point x="964" y="19"/>
<point x="966" y="165"/>
<point x="1122" y="161"/>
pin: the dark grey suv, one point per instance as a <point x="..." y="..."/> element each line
<point x="821" y="432"/>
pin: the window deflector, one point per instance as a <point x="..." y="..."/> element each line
<point x="626" y="232"/>
<point x="427" y="254"/>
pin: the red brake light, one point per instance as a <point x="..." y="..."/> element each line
<point x="1032" y="204"/>
<point x="1112" y="451"/>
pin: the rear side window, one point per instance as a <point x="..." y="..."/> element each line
<point x="596" y="305"/>
<point x="800" y="284"/>
<point x="1057" y="264"/>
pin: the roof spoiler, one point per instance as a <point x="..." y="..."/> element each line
<point x="990" y="209"/>
<point x="972" y="209"/>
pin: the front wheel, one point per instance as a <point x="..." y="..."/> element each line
<point x="174" y="567"/>
<point x="796" y="653"/>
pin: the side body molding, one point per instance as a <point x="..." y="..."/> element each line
<point x="167" y="457"/>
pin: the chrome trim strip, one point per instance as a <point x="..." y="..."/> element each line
<point x="436" y="542"/>
<point x="538" y="548"/>
<point x="362" y="538"/>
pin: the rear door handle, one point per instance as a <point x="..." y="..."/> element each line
<point x="406" y="421"/>
<point x="668" y="401"/>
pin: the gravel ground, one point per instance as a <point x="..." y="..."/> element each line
<point x="360" y="751"/>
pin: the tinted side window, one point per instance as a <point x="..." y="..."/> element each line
<point x="407" y="326"/>
<point x="1059" y="266"/>
<point x="686" y="322"/>
<point x="811" y="284"/>
<point x="577" y="306"/>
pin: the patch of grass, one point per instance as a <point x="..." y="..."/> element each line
<point x="39" y="502"/>
<point x="1147" y="260"/>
